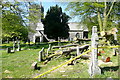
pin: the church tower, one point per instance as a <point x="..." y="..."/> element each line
<point x="36" y="15"/>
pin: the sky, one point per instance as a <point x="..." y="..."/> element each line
<point x="47" y="3"/>
<point x="63" y="5"/>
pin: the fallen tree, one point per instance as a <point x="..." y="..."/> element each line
<point x="64" y="46"/>
<point x="67" y="51"/>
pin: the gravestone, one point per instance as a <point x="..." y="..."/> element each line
<point x="19" y="48"/>
<point x="115" y="42"/>
<point x="8" y="50"/>
<point x="34" y="66"/>
<point x="49" y="48"/>
<point x="59" y="42"/>
<point x="93" y="67"/>
<point x="40" y="54"/>
<point x="14" y="46"/>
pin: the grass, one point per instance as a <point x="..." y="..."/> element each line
<point x="19" y="65"/>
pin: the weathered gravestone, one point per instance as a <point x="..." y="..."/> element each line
<point x="115" y="41"/>
<point x="40" y="54"/>
<point x="19" y="48"/>
<point x="8" y="50"/>
<point x="59" y="44"/>
<point x="93" y="67"/>
<point x="34" y="66"/>
<point x="13" y="47"/>
<point x="49" y="48"/>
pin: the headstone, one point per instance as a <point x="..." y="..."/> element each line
<point x="114" y="52"/>
<point x="49" y="48"/>
<point x="115" y="40"/>
<point x="40" y="54"/>
<point x="13" y="46"/>
<point x="18" y="46"/>
<point x="93" y="67"/>
<point x="34" y="66"/>
<point x="58" y="41"/>
<point x="8" y="50"/>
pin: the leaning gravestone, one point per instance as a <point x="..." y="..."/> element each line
<point x="93" y="67"/>
<point x="40" y="54"/>
<point x="34" y="66"/>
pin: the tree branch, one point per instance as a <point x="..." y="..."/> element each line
<point x="111" y="8"/>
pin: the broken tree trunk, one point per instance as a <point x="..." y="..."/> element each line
<point x="71" y="49"/>
<point x="64" y="46"/>
<point x="44" y="36"/>
<point x="67" y="51"/>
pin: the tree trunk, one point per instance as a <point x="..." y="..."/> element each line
<point x="105" y="17"/>
<point x="99" y="21"/>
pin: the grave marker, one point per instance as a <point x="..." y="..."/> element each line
<point x="18" y="46"/>
<point x="40" y="54"/>
<point x="8" y="50"/>
<point x="93" y="68"/>
<point x="49" y="48"/>
<point x="34" y="66"/>
<point x="14" y="46"/>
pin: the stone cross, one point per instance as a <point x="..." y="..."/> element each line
<point x="40" y="54"/>
<point x="93" y="67"/>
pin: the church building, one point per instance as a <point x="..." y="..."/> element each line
<point x="38" y="31"/>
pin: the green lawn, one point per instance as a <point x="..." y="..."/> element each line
<point x="18" y="65"/>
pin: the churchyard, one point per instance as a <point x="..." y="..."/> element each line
<point x="58" y="60"/>
<point x="40" y="40"/>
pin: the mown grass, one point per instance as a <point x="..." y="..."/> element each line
<point x="19" y="65"/>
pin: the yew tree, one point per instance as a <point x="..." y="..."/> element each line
<point x="56" y="23"/>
